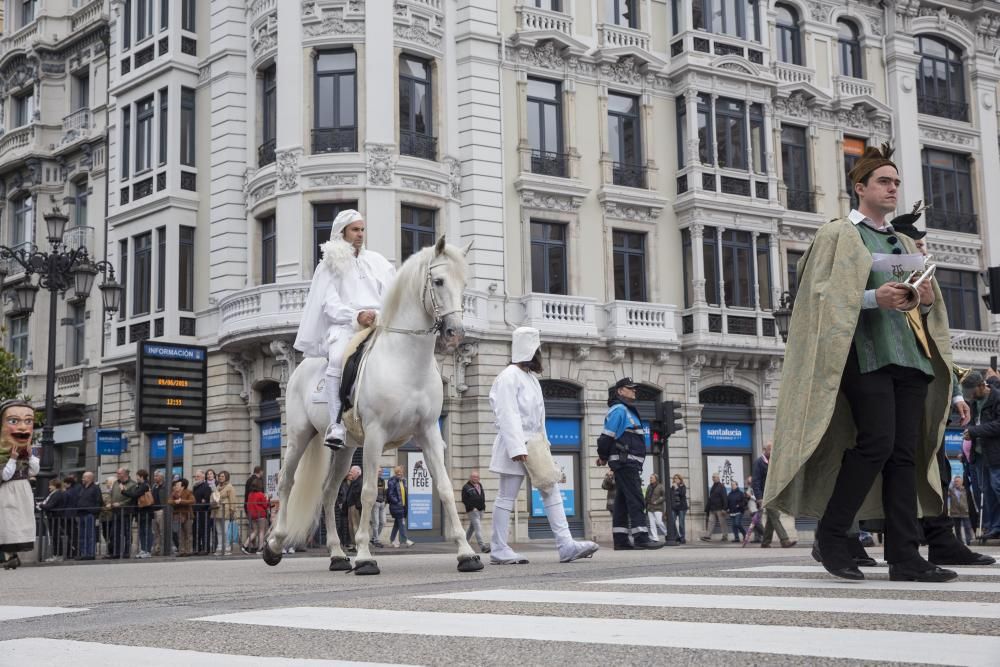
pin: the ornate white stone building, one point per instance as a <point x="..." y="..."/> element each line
<point x="638" y="177"/>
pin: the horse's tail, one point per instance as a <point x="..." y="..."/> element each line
<point x="306" y="496"/>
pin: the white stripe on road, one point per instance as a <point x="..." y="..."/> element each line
<point x="14" y="613"/>
<point x="985" y="571"/>
<point x="763" y="603"/>
<point x="42" y="652"/>
<point x="829" y="583"/>
<point x="869" y="645"/>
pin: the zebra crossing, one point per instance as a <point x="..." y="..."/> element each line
<point x="716" y="610"/>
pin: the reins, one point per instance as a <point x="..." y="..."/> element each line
<point x="439" y="315"/>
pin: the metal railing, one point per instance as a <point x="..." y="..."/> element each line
<point x="952" y="221"/>
<point x="629" y="175"/>
<point x="335" y="140"/>
<point x="800" y="200"/>
<point x="549" y="163"/>
<point x="417" y="144"/>
<point x="265" y="153"/>
<point x="943" y="107"/>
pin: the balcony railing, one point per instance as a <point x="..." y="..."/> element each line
<point x="19" y="137"/>
<point x="629" y="175"/>
<point x="789" y="73"/>
<point x="943" y="107"/>
<point x="533" y="18"/>
<point x="548" y="163"/>
<point x="86" y="15"/>
<point x="265" y="153"/>
<point x="560" y="315"/>
<point x="335" y="140"/>
<point x="616" y="37"/>
<point x="259" y="311"/>
<point x="952" y="221"/>
<point x="11" y="266"/>
<point x="799" y="200"/>
<point x="78" y="120"/>
<point x="848" y="86"/>
<point x="632" y="320"/>
<point x="418" y="145"/>
<point x="79" y="237"/>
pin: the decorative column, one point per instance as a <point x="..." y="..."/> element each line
<point x="572" y="140"/>
<point x="756" y="270"/>
<point x="292" y="241"/>
<point x="697" y="231"/>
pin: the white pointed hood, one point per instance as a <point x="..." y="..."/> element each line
<point x="524" y="343"/>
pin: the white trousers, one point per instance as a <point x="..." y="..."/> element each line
<point x="656" y="523"/>
<point x="334" y="368"/>
<point x="503" y="506"/>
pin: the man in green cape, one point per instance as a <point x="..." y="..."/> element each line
<point x="864" y="396"/>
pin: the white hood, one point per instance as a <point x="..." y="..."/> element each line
<point x="524" y="343"/>
<point x="343" y="219"/>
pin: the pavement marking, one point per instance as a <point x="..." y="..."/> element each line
<point x="813" y="584"/>
<point x="764" y="603"/>
<point x="986" y="571"/>
<point x="11" y="613"/>
<point x="44" y="652"/>
<point x="870" y="645"/>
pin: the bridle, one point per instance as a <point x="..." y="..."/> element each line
<point x="436" y="308"/>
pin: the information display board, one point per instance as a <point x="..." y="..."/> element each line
<point x="172" y="380"/>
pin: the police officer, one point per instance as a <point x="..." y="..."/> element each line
<point x="622" y="446"/>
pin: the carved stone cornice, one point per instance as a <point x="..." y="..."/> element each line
<point x="381" y="163"/>
<point x="243" y="366"/>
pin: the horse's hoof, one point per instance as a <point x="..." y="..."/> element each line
<point x="469" y="564"/>
<point x="339" y="564"/>
<point x="272" y="558"/>
<point x="366" y="567"/>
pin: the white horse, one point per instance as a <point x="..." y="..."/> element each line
<point x="398" y="397"/>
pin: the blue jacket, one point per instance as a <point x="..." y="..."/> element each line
<point x="397" y="506"/>
<point x="623" y="441"/>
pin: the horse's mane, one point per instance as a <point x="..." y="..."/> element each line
<point x="409" y="281"/>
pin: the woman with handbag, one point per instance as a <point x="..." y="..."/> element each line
<point x="144" y="515"/>
<point x="224" y="505"/>
<point x="17" y="464"/>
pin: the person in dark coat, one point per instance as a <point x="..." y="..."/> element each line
<point x="202" y="508"/>
<point x="352" y="503"/>
<point x="985" y="435"/>
<point x="771" y="517"/>
<point x="72" y="491"/>
<point x="143" y="515"/>
<point x="679" y="505"/>
<point x="54" y="507"/>
<point x="395" y="493"/>
<point x="88" y="507"/>
<point x="736" y="503"/>
<point x="716" y="510"/>
<point x="474" y="499"/>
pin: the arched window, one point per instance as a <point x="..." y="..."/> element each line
<point x="788" y="37"/>
<point x="941" y="80"/>
<point x="849" y="49"/>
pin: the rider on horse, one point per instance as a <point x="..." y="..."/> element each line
<point x="345" y="296"/>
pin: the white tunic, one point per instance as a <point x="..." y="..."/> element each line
<point x="336" y="297"/>
<point x="516" y="399"/>
<point x="17" y="505"/>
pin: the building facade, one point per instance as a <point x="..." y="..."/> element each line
<point x="638" y="179"/>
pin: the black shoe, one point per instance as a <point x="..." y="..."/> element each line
<point x="859" y="560"/>
<point x="834" y="555"/>
<point x="964" y="557"/>
<point x="334" y="444"/>
<point x="624" y="547"/>
<point x="647" y="544"/>
<point x="920" y="570"/>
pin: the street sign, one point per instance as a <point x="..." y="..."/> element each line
<point x="110" y="442"/>
<point x="172" y="381"/>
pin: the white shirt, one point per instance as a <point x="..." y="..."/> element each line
<point x="516" y="399"/>
<point x="335" y="299"/>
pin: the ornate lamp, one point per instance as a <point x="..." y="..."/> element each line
<point x="783" y="315"/>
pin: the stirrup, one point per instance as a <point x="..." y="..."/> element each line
<point x="334" y="444"/>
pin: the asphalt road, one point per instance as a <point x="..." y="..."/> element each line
<point x="681" y="605"/>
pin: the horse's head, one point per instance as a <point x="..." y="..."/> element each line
<point x="443" y="290"/>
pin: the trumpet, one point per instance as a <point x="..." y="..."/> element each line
<point x="960" y="371"/>
<point x="916" y="279"/>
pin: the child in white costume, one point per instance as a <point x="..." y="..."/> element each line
<point x="345" y="296"/>
<point x="516" y="399"/>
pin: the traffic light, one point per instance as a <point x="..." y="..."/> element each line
<point x="656" y="439"/>
<point x="670" y="415"/>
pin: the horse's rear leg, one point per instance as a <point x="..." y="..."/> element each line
<point x="433" y="448"/>
<point x="338" y="470"/>
<point x="297" y="445"/>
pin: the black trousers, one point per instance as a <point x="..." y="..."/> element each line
<point x="887" y="405"/>
<point x="630" y="506"/>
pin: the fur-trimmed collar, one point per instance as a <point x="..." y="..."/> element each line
<point x="337" y="255"/>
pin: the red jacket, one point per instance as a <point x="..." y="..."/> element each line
<point x="257" y="505"/>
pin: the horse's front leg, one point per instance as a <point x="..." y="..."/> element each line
<point x="374" y="439"/>
<point x="433" y="448"/>
<point x="338" y="469"/>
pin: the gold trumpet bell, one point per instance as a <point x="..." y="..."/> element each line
<point x="961" y="371"/>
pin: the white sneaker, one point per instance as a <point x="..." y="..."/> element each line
<point x="508" y="557"/>
<point x="395" y="544"/>
<point x="409" y="543"/>
<point x="575" y="550"/>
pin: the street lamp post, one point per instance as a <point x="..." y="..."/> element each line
<point x="783" y="315"/>
<point x="59" y="269"/>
